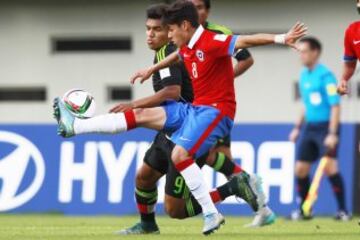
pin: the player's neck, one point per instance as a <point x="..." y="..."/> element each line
<point x="191" y="33"/>
<point x="312" y="66"/>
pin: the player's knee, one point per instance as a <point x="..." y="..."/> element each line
<point x="140" y="115"/>
<point x="179" y="154"/>
<point x="301" y="170"/>
<point x="174" y="211"/>
<point x="141" y="179"/>
<point x="331" y="168"/>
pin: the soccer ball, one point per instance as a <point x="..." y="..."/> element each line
<point x="80" y="103"/>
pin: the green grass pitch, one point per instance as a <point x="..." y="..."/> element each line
<point x="58" y="227"/>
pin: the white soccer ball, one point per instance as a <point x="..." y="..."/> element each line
<point x="80" y="103"/>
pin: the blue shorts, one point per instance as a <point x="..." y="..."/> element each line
<point x="310" y="145"/>
<point x="195" y="128"/>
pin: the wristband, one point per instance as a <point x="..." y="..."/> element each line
<point x="280" y="38"/>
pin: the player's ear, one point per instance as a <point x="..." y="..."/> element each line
<point x="185" y="25"/>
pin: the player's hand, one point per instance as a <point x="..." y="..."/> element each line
<point x="122" y="107"/>
<point x="331" y="141"/>
<point x="143" y="75"/>
<point x="295" y="33"/>
<point x="294" y="134"/>
<point x="343" y="87"/>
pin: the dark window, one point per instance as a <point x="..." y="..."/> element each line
<point x="91" y="44"/>
<point x="119" y="93"/>
<point x="22" y="94"/>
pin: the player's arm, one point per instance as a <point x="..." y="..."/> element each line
<point x="296" y="32"/>
<point x="167" y="93"/>
<point x="350" y="61"/>
<point x="244" y="62"/>
<point x="145" y="74"/>
<point x="294" y="134"/>
<point x="348" y="71"/>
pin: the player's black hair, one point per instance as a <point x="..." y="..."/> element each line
<point x="181" y="11"/>
<point x="207" y="4"/>
<point x="156" y="11"/>
<point x="313" y="42"/>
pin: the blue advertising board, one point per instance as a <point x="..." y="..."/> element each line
<point x="94" y="174"/>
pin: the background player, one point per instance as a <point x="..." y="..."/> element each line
<point x="196" y="127"/>
<point x="174" y="83"/>
<point x="316" y="131"/>
<point x="351" y="53"/>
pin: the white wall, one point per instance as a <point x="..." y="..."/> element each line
<point x="265" y="94"/>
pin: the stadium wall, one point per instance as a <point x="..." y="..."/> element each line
<point x="265" y="94"/>
<point x="94" y="174"/>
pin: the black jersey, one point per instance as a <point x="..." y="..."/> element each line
<point x="174" y="75"/>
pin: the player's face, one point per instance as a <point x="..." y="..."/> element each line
<point x="179" y="34"/>
<point x="308" y="57"/>
<point x="156" y="34"/>
<point x="203" y="12"/>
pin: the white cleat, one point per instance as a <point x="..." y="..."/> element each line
<point x="263" y="217"/>
<point x="212" y="222"/>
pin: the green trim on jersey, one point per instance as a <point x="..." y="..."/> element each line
<point x="218" y="28"/>
<point x="188" y="203"/>
<point x="160" y="54"/>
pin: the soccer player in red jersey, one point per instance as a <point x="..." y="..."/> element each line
<point x="196" y="127"/>
<point x="351" y="53"/>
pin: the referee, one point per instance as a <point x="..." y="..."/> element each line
<point x="317" y="129"/>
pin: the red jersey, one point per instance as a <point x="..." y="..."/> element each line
<point x="207" y="59"/>
<point x="352" y="42"/>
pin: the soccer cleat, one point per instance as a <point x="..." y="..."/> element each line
<point x="212" y="222"/>
<point x="64" y="118"/>
<point x="263" y="217"/>
<point x="256" y="186"/>
<point x="241" y="186"/>
<point x="140" y="229"/>
<point x="342" y="216"/>
<point x="297" y="215"/>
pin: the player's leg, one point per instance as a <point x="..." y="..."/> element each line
<point x="201" y="128"/>
<point x="156" y="163"/>
<point x="180" y="204"/>
<point x="146" y="199"/>
<point x="306" y="154"/>
<point x="68" y="125"/>
<point x="219" y="159"/>
<point x="221" y="162"/>
<point x="194" y="179"/>
<point x="332" y="171"/>
<point x="337" y="183"/>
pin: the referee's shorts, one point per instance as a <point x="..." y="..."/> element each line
<point x="310" y="145"/>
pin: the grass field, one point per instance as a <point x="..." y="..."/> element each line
<point x="58" y="227"/>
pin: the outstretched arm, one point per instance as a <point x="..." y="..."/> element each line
<point x="169" y="92"/>
<point x="348" y="72"/>
<point x="290" y="38"/>
<point x="145" y="74"/>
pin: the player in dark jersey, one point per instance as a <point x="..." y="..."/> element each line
<point x="351" y="53"/>
<point x="196" y="127"/>
<point x="170" y="83"/>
